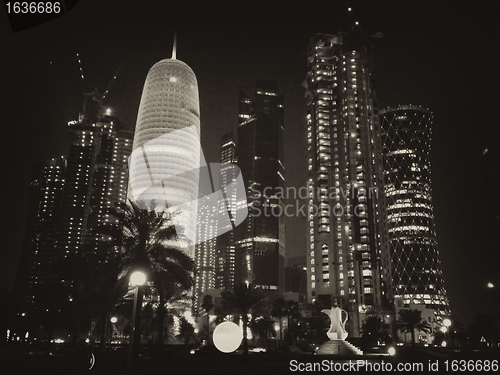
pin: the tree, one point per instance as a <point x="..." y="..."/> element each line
<point x="279" y="311"/>
<point x="286" y="309"/>
<point x="87" y="290"/>
<point x="148" y="241"/>
<point x="263" y="327"/>
<point x="411" y="320"/>
<point x="186" y="332"/>
<point x="242" y="300"/>
<point x="485" y="326"/>
<point x="207" y="305"/>
<point x="372" y="325"/>
<point x="292" y="312"/>
<point x="372" y="331"/>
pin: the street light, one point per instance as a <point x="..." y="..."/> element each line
<point x="446" y="324"/>
<point x="137" y="279"/>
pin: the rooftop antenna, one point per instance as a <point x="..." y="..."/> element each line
<point x="174" y="48"/>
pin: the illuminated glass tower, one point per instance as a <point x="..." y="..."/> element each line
<point x="347" y="249"/>
<point x="417" y="277"/>
<point x="260" y="251"/>
<point x="166" y="150"/>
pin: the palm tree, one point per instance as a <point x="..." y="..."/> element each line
<point x="148" y="241"/>
<point x="372" y="325"/>
<point x="411" y="320"/>
<point x="87" y="291"/>
<point x="372" y="330"/>
<point x="242" y="300"/>
<point x="186" y="332"/>
<point x="263" y="327"/>
<point x="207" y="305"/>
<point x="279" y="311"/>
<point x="292" y="312"/>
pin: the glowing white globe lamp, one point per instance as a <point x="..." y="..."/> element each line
<point x="138" y="278"/>
<point x="227" y="337"/>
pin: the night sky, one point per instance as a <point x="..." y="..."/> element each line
<point x="440" y="55"/>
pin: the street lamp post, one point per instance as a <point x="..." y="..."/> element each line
<point x="137" y="279"/>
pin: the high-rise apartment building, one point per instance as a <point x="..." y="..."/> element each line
<point x="259" y="257"/>
<point x="416" y="269"/>
<point x="44" y="205"/>
<point x="70" y="198"/>
<point x="205" y="252"/>
<point x="165" y="161"/>
<point x="347" y="248"/>
<point x="96" y="180"/>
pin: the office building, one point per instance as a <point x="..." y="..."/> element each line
<point x="165" y="161"/>
<point x="416" y="269"/>
<point x="259" y="252"/>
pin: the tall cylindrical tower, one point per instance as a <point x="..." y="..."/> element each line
<point x="165" y="160"/>
<point x="416" y="269"/>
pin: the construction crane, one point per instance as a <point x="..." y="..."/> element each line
<point x="93" y="93"/>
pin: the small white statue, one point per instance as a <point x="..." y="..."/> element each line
<point x="337" y="325"/>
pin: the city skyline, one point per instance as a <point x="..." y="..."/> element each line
<point x="414" y="64"/>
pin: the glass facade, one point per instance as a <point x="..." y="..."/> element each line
<point x="167" y="136"/>
<point x="260" y="238"/>
<point x="416" y="270"/>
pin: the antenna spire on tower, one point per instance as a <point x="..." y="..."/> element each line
<point x="174" y="48"/>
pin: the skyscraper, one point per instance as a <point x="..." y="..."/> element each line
<point x="165" y="161"/>
<point x="70" y="198"/>
<point x="96" y="179"/>
<point x="260" y="238"/>
<point x="205" y="252"/>
<point x="347" y="249"/>
<point x="416" y="269"/>
<point x="44" y="205"/>
<point x="215" y="257"/>
<point x="225" y="248"/>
